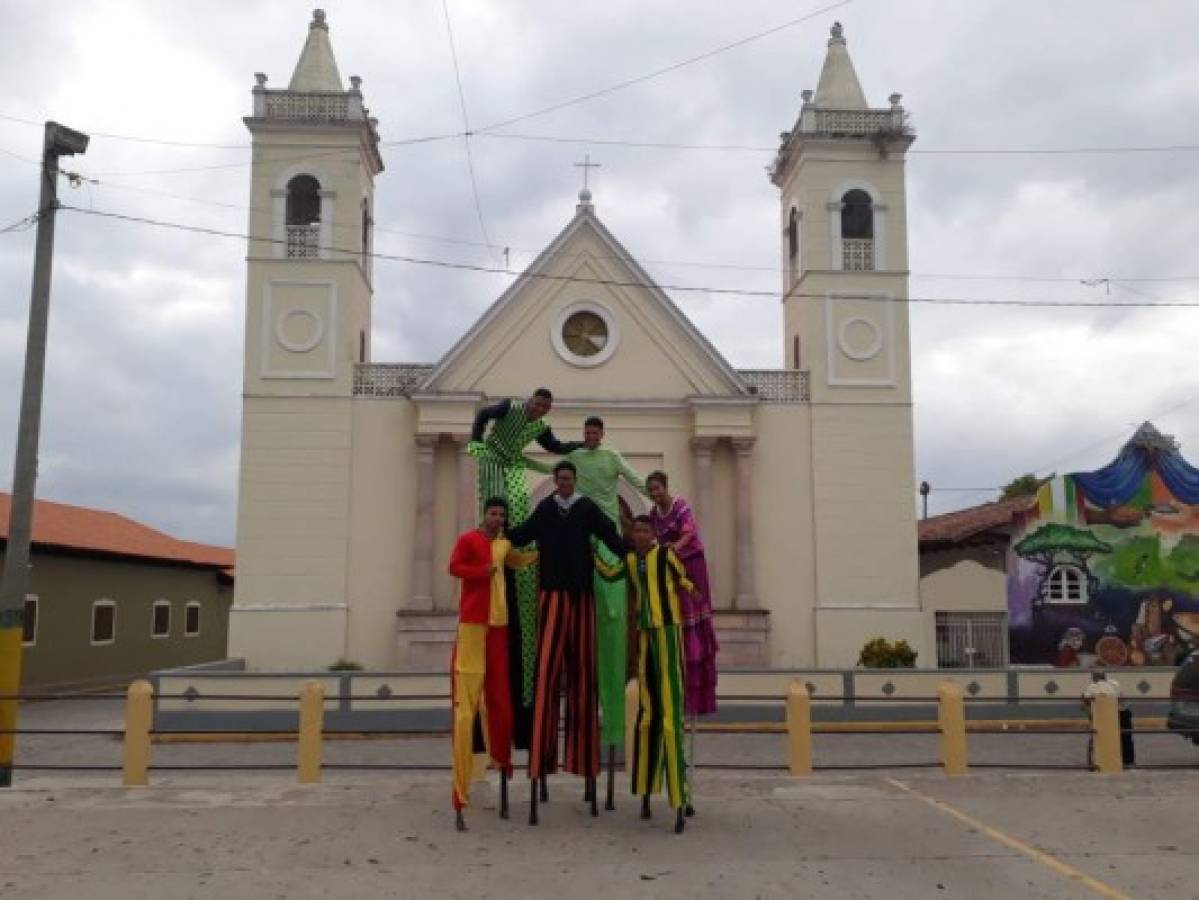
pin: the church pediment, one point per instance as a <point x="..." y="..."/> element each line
<point x="587" y="321"/>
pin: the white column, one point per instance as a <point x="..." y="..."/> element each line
<point x="746" y="595"/>
<point x="326" y="232"/>
<point x="467" y="474"/>
<point x="701" y="461"/>
<point x="279" y="223"/>
<point x="422" y="538"/>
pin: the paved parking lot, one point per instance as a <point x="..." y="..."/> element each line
<point x="997" y="835"/>
<point x="896" y="832"/>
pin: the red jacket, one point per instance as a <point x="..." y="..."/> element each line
<point x="470" y="561"/>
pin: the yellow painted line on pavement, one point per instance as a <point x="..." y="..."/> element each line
<point x="1048" y="860"/>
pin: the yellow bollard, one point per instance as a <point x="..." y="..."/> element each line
<point x="139" y="711"/>
<point x="951" y="715"/>
<point x="312" y="722"/>
<point x="632" y="703"/>
<point x="1105" y="719"/>
<point x="799" y="729"/>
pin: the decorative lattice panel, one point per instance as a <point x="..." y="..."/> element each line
<point x="778" y="385"/>
<point x="388" y="379"/>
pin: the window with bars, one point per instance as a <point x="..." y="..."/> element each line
<point x="972" y="640"/>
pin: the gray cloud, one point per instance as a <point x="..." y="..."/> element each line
<point x="142" y="399"/>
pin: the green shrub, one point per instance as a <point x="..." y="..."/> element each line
<point x="880" y="653"/>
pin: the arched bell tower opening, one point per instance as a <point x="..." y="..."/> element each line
<point x="302" y="214"/>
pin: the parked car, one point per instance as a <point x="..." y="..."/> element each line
<point x="1184" y="699"/>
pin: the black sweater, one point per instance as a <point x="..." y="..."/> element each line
<point x="564" y="540"/>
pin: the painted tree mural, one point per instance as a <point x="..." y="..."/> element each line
<point x="1063" y="552"/>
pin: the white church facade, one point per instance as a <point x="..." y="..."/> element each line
<point x="354" y="479"/>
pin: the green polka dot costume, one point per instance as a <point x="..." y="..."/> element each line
<point x="502" y="467"/>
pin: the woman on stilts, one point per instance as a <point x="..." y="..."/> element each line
<point x="675" y="527"/>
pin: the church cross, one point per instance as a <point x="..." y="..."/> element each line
<point x="585" y="165"/>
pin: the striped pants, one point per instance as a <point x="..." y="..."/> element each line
<point x="658" y="743"/>
<point x="479" y="686"/>
<point x="565" y="663"/>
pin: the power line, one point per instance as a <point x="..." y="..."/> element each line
<point x="288" y="159"/>
<point x="138" y="140"/>
<point x="611" y="89"/>
<point x="470" y="161"/>
<point x="1088" y="280"/>
<point x="22" y="224"/>
<point x="914" y="151"/>
<point x="1104" y="441"/>
<point x="545" y="276"/>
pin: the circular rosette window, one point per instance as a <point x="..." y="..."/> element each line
<point x="585" y="334"/>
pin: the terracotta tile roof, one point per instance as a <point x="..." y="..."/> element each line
<point x="951" y="528"/>
<point x="98" y="531"/>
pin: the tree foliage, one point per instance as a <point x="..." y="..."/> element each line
<point x="1055" y="538"/>
<point x="1020" y="487"/>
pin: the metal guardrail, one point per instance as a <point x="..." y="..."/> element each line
<point x="952" y="727"/>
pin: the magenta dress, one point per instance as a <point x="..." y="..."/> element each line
<point x="699" y="635"/>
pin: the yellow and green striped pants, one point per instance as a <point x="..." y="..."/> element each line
<point x="658" y="744"/>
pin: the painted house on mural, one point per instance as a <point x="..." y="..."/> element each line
<point x="354" y="477"/>
<point x="112" y="599"/>
<point x="1098" y="567"/>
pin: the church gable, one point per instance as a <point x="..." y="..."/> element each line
<point x="588" y="322"/>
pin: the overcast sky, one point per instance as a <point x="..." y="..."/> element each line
<point x="143" y="381"/>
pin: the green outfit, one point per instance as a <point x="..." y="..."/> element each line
<point x="599" y="472"/>
<point x="502" y="465"/>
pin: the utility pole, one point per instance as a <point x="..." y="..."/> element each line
<point x="59" y="141"/>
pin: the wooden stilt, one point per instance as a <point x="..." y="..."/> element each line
<point x="645" y="813"/>
<point x="545" y="789"/>
<point x="593" y="790"/>
<point x="679" y="822"/>
<point x="610" y="803"/>
<point x="459" y="822"/>
<point x="503" y="795"/>
<point x="533" y="801"/>
<point x="689" y="810"/>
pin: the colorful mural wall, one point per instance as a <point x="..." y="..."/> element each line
<point x="1104" y="569"/>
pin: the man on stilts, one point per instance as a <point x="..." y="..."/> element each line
<point x="502" y="463"/>
<point x="479" y="666"/>
<point x="600" y="470"/>
<point x="656" y="576"/>
<point x="563" y="526"/>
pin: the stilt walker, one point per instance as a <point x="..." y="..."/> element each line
<point x="657" y="578"/>
<point x="502" y="464"/>
<point x="600" y="470"/>
<point x="675" y="527"/>
<point x="563" y="526"/>
<point x="479" y="665"/>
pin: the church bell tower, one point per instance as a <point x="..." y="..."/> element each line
<point x="308" y="322"/>
<point x="840" y="175"/>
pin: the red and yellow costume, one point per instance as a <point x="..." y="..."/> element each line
<point x="479" y="665"/>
